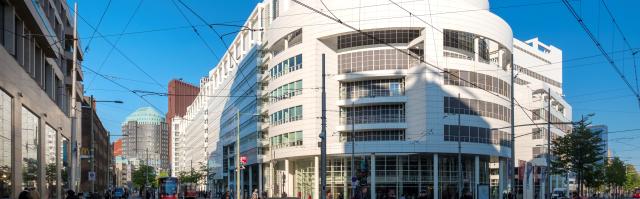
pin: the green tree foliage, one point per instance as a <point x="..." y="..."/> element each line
<point x="142" y="174"/>
<point x="632" y="178"/>
<point x="195" y="175"/>
<point x="615" y="173"/>
<point x="51" y="172"/>
<point x="579" y="152"/>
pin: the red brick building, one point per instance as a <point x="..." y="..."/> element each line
<point x="117" y="148"/>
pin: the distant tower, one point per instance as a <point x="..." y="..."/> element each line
<point x="145" y="132"/>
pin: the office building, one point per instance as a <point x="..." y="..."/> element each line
<point x="401" y="96"/>
<point x="538" y="69"/>
<point x="181" y="94"/>
<point x="146" y="139"/>
<point x="35" y="98"/>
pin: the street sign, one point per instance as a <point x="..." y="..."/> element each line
<point x="243" y="160"/>
<point x="92" y="176"/>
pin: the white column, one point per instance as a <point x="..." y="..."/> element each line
<point x="373" y="176"/>
<point x="477" y="176"/>
<point x="436" y="181"/>
<point x="260" y="180"/>
<point x="272" y="180"/>
<point x="316" y="177"/>
<point x="288" y="178"/>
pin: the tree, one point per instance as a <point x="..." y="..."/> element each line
<point x="143" y="175"/>
<point x="615" y="173"/>
<point x="580" y="152"/>
<point x="632" y="179"/>
<point x="194" y="175"/>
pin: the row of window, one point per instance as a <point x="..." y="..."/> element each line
<point x="372" y="114"/>
<point x="289" y="65"/>
<point x="539" y="152"/>
<point x="476" y="135"/>
<point x="286" y="115"/>
<point x="537" y="76"/>
<point x="21" y="43"/>
<point x="30" y="147"/>
<point x="541" y="114"/>
<point x="384" y="59"/>
<point x="381" y="37"/>
<point x="541" y="133"/>
<point x="476" y="80"/>
<point x="372" y="88"/>
<point x="286" y="91"/>
<point x="386" y="135"/>
<point x="287" y="140"/>
<point x="476" y="107"/>
<point x="459" y="40"/>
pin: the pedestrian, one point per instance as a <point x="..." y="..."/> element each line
<point x="254" y="195"/>
<point x="24" y="195"/>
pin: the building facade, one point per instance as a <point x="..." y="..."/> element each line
<point x="146" y="139"/>
<point x="538" y="69"/>
<point x="411" y="106"/>
<point x="117" y="148"/>
<point x="181" y="94"/>
<point x="95" y="150"/>
<point x="35" y="97"/>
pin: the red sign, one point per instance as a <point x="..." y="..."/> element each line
<point x="243" y="159"/>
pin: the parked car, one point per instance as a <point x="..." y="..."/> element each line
<point x="559" y="193"/>
<point x="118" y="192"/>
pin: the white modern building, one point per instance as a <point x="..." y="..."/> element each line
<point x="538" y="75"/>
<point x="416" y="78"/>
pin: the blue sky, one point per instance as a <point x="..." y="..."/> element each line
<point x="590" y="85"/>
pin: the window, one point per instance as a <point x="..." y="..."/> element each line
<point x="372" y="114"/>
<point x="476" y="107"/>
<point x="276" y="9"/>
<point x="459" y="40"/>
<point x="5" y="144"/>
<point x="381" y="37"/>
<point x="30" y="132"/>
<point x="387" y="135"/>
<point x="288" y="65"/>
<point x="51" y="154"/>
<point x="286" y="115"/>
<point x="287" y="140"/>
<point x="372" y="88"/>
<point x="472" y="134"/>
<point x="384" y="59"/>
<point x="476" y="80"/>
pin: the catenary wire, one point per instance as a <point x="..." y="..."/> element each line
<point x="104" y="61"/>
<point x="599" y="46"/>
<point x="86" y="48"/>
<point x="118" y="50"/>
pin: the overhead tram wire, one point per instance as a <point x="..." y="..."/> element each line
<point x="195" y="30"/>
<point x="121" y="86"/>
<point x="599" y="46"/>
<point x="119" y="51"/>
<point x="624" y="38"/>
<point x="104" y="61"/>
<point x="232" y="58"/>
<point x="86" y="48"/>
